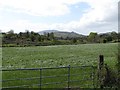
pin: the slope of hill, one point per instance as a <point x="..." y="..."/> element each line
<point x="67" y="34"/>
<point x="62" y="33"/>
<point x="47" y="31"/>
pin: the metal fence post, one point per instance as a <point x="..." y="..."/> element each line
<point x="68" y="77"/>
<point x="40" y="78"/>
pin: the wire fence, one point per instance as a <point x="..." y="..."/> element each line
<point x="59" y="77"/>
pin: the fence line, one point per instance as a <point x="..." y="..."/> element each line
<point x="87" y="75"/>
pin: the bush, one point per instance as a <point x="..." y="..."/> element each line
<point x="118" y="66"/>
<point x="110" y="77"/>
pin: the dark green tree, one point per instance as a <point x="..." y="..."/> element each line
<point x="39" y="38"/>
<point x="32" y="37"/>
<point x="27" y="34"/>
<point x="74" y="40"/>
<point x="114" y="36"/>
<point x="109" y="38"/>
<point x="92" y="37"/>
<point x="52" y="36"/>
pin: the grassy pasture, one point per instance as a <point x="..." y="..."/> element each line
<point x="54" y="56"/>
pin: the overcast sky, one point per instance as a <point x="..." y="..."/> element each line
<point x="81" y="16"/>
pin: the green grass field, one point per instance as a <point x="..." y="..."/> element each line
<point x="55" y="56"/>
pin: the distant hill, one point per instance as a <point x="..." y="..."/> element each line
<point x="67" y="34"/>
<point x="61" y="33"/>
<point x="47" y="31"/>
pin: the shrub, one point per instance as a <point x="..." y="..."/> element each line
<point x="118" y="66"/>
<point x="110" y="77"/>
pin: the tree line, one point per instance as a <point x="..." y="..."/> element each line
<point x="35" y="39"/>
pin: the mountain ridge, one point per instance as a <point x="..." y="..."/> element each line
<point x="63" y="34"/>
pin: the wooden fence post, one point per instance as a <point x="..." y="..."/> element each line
<point x="100" y="66"/>
<point x="101" y="61"/>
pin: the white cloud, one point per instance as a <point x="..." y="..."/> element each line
<point x="22" y="25"/>
<point x="39" y="7"/>
<point x="101" y="17"/>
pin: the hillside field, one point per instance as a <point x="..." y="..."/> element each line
<point x="55" y="56"/>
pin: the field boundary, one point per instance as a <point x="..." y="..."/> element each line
<point x="86" y="76"/>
